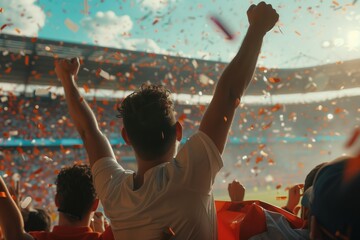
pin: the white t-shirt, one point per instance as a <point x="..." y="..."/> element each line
<point x="176" y="194"/>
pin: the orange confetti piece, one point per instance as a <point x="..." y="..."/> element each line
<point x="278" y="186"/>
<point x="17" y="30"/>
<point x="1" y="10"/>
<point x="27" y="60"/>
<point x="298" y="33"/>
<point x="276" y="108"/>
<point x="39" y="170"/>
<point x="86" y="88"/>
<point x="3" y="195"/>
<point x="335" y="3"/>
<point x="3" y="26"/>
<point x="263" y="69"/>
<point x="8" y="70"/>
<point x="155" y="21"/>
<point x="267" y="126"/>
<point x="271" y="162"/>
<point x="281" y="198"/>
<point x="81" y="99"/>
<point x="34" y="39"/>
<point x="225" y="119"/>
<point x="259" y="159"/>
<point x="274" y="80"/>
<point x="261" y="111"/>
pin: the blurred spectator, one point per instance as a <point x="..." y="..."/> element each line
<point x="37" y="219"/>
<point x="334" y="203"/>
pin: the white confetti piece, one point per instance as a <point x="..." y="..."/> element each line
<point x="104" y="74"/>
<point x="71" y="25"/>
<point x="42" y="92"/>
<point x="195" y="64"/>
<point x="4" y="99"/>
<point x="26" y="202"/>
<point x="205" y="79"/>
<point x="269" y="178"/>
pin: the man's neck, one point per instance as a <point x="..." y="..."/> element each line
<point x="64" y="221"/>
<point x="145" y="165"/>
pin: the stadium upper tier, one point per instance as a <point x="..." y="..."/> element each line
<point x="30" y="61"/>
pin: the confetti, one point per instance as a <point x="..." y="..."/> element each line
<point x="17" y="30"/>
<point x="4" y="26"/>
<point x="26" y="202"/>
<point x="27" y="60"/>
<point x="274" y="80"/>
<point x="8" y="70"/>
<point x="278" y="186"/>
<point x="221" y="26"/>
<point x="195" y="64"/>
<point x="276" y="107"/>
<point x="281" y="198"/>
<point x="3" y="195"/>
<point x="155" y="21"/>
<point x="103" y="74"/>
<point x="42" y="92"/>
<point x="71" y="25"/>
<point x="269" y="178"/>
<point x="39" y="170"/>
<point x="86" y="88"/>
<point x="225" y="119"/>
<point x="205" y="80"/>
<point x="267" y="126"/>
<point x="86" y="7"/>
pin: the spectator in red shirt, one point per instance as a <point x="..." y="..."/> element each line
<point x="76" y="201"/>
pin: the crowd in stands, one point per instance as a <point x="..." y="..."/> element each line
<point x="170" y="193"/>
<point x="43" y="117"/>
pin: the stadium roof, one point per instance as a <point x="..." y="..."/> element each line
<point x="30" y="62"/>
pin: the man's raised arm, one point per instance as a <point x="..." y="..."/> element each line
<point x="237" y="76"/>
<point x="96" y="144"/>
<point x="11" y="221"/>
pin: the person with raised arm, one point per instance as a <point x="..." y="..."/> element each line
<point x="171" y="189"/>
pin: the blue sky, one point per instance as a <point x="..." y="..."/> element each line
<point x="313" y="31"/>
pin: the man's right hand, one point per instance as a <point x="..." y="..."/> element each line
<point x="236" y="191"/>
<point x="262" y="17"/>
<point x="65" y="68"/>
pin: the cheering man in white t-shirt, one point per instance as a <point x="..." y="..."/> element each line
<point x="170" y="189"/>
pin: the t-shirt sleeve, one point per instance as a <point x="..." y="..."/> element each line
<point x="107" y="174"/>
<point x="199" y="161"/>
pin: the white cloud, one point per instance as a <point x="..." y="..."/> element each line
<point x="24" y="15"/>
<point x="154" y="5"/>
<point x="108" y="29"/>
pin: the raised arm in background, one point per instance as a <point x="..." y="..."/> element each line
<point x="96" y="144"/>
<point x="11" y="221"/>
<point x="237" y="76"/>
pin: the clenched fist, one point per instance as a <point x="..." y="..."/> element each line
<point x="262" y="17"/>
<point x="67" y="68"/>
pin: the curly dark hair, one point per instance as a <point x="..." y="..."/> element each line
<point x="37" y="220"/>
<point x="149" y="120"/>
<point x="75" y="191"/>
